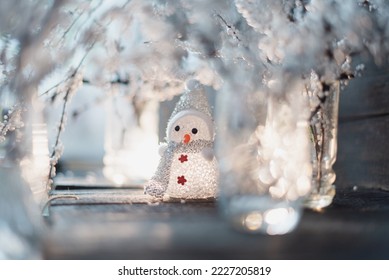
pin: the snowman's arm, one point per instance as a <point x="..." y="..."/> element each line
<point x="208" y="153"/>
<point x="162" y="148"/>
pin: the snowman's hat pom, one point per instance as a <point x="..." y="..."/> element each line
<point x="193" y="98"/>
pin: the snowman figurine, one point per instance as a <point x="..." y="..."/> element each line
<point x="188" y="168"/>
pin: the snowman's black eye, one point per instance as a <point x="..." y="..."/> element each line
<point x="177" y="128"/>
<point x="194" y="130"/>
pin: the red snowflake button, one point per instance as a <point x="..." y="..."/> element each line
<point x="181" y="180"/>
<point x="183" y="158"/>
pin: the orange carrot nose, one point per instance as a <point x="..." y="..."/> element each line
<point x="186" y="138"/>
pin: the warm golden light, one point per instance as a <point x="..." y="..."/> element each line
<point x="253" y="221"/>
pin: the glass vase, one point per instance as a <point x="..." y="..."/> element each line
<point x="263" y="151"/>
<point x="323" y="129"/>
<point x="131" y="140"/>
<point x="35" y="166"/>
<point x="21" y="225"/>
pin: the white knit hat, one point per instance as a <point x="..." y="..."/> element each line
<point x="193" y="98"/>
<point x="194" y="102"/>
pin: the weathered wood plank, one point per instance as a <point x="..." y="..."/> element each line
<point x="363" y="153"/>
<point x="366" y="96"/>
<point x="363" y="136"/>
<point x="352" y="228"/>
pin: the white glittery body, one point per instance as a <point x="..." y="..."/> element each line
<point x="200" y="176"/>
<point x="188" y="168"/>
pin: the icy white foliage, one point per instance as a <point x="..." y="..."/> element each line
<point x="317" y="35"/>
<point x="11" y="120"/>
<point x="158" y="44"/>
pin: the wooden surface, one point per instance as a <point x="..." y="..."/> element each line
<point x="355" y="226"/>
<point x="363" y="150"/>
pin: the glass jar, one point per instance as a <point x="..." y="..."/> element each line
<point x="262" y="145"/>
<point x="324" y="107"/>
<point x="21" y="225"/>
<point x="131" y="140"/>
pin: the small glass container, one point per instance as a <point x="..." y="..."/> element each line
<point x="21" y="225"/>
<point x="131" y="140"/>
<point x="262" y="145"/>
<point x="324" y="107"/>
